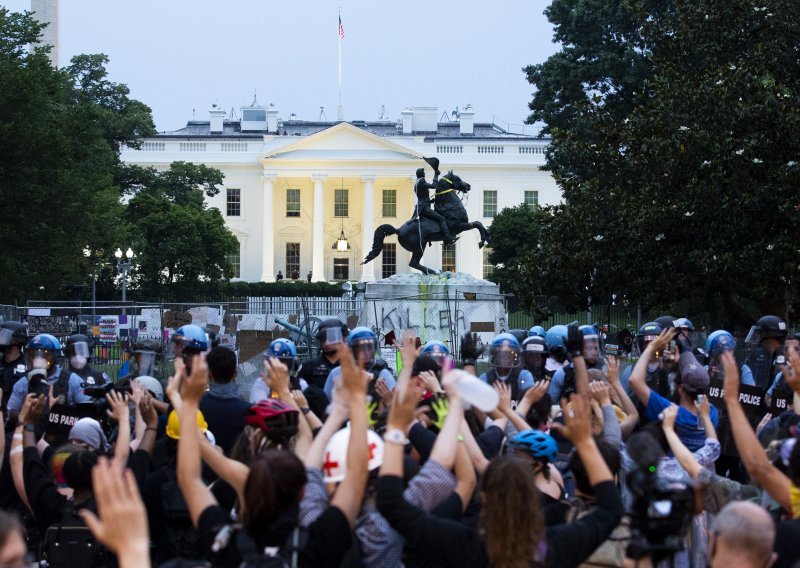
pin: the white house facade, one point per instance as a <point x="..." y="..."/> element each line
<point x="292" y="187"/>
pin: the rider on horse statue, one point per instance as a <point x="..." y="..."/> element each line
<point x="421" y="190"/>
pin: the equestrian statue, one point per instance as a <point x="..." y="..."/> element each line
<point x="443" y="223"/>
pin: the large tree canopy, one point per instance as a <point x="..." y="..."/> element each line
<point x="674" y="141"/>
<point x="60" y="136"/>
<point x="178" y="239"/>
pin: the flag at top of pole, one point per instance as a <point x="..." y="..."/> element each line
<point x="341" y="28"/>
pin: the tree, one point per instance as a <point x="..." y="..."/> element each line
<point x="688" y="190"/>
<point x="60" y="135"/>
<point x="178" y="239"/>
<point x="515" y="231"/>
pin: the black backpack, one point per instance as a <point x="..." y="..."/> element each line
<point x="287" y="556"/>
<point x="70" y="544"/>
<point x="180" y="538"/>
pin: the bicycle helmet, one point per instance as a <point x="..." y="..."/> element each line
<point x="536" y="444"/>
<point x="277" y="419"/>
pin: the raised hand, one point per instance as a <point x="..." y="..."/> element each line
<point x="440" y="406"/>
<point x="574" y="342"/>
<point x="536" y="392"/>
<point x="577" y="427"/>
<point x="404" y="406"/>
<point x="195" y="385"/>
<point x="430" y="381"/>
<point x="148" y="411"/>
<point x="612" y="364"/>
<point x="471" y="348"/>
<point x="731" y="380"/>
<point x="118" y="406"/>
<point x="32" y="408"/>
<point x="660" y="343"/>
<point x="408" y="348"/>
<point x="383" y="391"/>
<point x="277" y="375"/>
<point x="668" y="416"/>
<point x="599" y="392"/>
<point x="175" y="382"/>
<point x="504" y="392"/>
<point x="137" y="392"/>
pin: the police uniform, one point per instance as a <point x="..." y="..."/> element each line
<point x="10" y="373"/>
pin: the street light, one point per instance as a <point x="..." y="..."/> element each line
<point x="123" y="268"/>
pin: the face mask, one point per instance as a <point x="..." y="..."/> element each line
<point x="40" y="363"/>
<point x="77" y="361"/>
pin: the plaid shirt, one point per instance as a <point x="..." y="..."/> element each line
<point x="381" y="545"/>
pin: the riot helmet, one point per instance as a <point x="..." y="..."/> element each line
<point x="504" y="352"/>
<point x="556" y="339"/>
<point x="13" y="333"/>
<point x="591" y="344"/>
<point x="436" y="350"/>
<point x="718" y="342"/>
<point x="534" y="354"/>
<point x="330" y="334"/>
<point x="77" y="350"/>
<point x="767" y="327"/>
<point x="363" y="343"/>
<point x="190" y="339"/>
<point x="284" y="350"/>
<point x="145" y="356"/>
<point x="665" y="322"/>
<point x="42" y="353"/>
<point x="537" y="331"/>
<point x="647" y="333"/>
<point x="520" y="334"/>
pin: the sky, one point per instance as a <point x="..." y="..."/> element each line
<point x="181" y="56"/>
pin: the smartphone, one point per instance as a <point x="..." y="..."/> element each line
<point x="673" y="345"/>
<point x="780" y="360"/>
<point x="612" y="350"/>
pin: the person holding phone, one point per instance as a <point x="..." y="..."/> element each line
<point x="330" y="334"/>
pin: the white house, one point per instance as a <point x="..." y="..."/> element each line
<point x="293" y="187"/>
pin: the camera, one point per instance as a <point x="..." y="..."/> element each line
<point x="662" y="509"/>
<point x="98" y="394"/>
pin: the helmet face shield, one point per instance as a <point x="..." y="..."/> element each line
<point x="145" y="362"/>
<point x="6" y="335"/>
<point x="505" y="357"/>
<point x="80" y="348"/>
<point x="40" y="359"/>
<point x="363" y="350"/>
<point x="591" y="347"/>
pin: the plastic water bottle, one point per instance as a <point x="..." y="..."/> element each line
<point x="476" y="393"/>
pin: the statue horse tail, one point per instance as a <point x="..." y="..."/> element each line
<point x="377" y="243"/>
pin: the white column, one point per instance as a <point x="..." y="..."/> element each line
<point x="367" y="228"/>
<point x="317" y="234"/>
<point x="267" y="228"/>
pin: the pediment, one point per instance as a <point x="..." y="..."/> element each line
<point x="342" y="142"/>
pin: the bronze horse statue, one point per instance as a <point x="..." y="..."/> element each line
<point x="414" y="238"/>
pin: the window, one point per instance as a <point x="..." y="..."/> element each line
<point x="293" y="260"/>
<point x="292" y="202"/>
<point x="341" y="269"/>
<point x="236" y="264"/>
<point x="390" y="203"/>
<point x="489" y="203"/>
<point x="449" y="258"/>
<point x="234" y="208"/>
<point x="488" y="267"/>
<point x="340" y="203"/>
<point x="389" y="262"/>
<point x="254" y="115"/>
<point x="532" y="197"/>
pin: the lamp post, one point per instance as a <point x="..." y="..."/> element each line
<point x="123" y="268"/>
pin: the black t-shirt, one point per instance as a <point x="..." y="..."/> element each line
<point x="329" y="539"/>
<point x="787" y="543"/>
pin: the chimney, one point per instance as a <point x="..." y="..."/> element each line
<point x="408" y="121"/>
<point x="272" y="118"/>
<point x="466" y="121"/>
<point x="216" y="116"/>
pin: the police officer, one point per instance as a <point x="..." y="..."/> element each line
<point x="556" y="337"/>
<point x="13" y="338"/>
<point x="78" y="355"/>
<point x="422" y="191"/>
<point x="505" y="359"/>
<point x="43" y="371"/>
<point x="314" y="373"/>
<point x="766" y="337"/>
<point x="563" y="383"/>
<point x="188" y="341"/>
<point x="534" y="357"/>
<point x="286" y="352"/>
<point x="364" y="343"/>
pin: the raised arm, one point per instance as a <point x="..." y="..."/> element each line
<point x="278" y="381"/>
<point x="577" y="428"/>
<point x="408" y="353"/>
<point x="198" y="497"/>
<point x="574" y="346"/>
<point x="444" y="449"/>
<point x="681" y="452"/>
<point x="120" y="411"/>
<point x="755" y="459"/>
<point x="532" y="396"/>
<point x="139" y="427"/>
<point x="631" y="419"/>
<point x="638" y="380"/>
<point x="505" y="407"/>
<point x="350" y="493"/>
<point x="704" y="410"/>
<point x="470" y="351"/>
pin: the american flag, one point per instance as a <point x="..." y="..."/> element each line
<point x="341" y="28"/>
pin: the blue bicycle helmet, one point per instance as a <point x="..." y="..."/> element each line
<point x="720" y="341"/>
<point x="536" y="444"/>
<point x="192" y="337"/>
<point x="536" y="331"/>
<point x="435" y="349"/>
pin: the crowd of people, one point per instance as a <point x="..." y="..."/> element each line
<point x="565" y="452"/>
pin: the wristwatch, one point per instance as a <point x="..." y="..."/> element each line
<point x="305" y="410"/>
<point x="29" y="428"/>
<point x="395" y="436"/>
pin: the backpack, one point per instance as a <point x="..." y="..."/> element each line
<point x="181" y="538"/>
<point x="287" y="556"/>
<point x="70" y="544"/>
<point x="612" y="551"/>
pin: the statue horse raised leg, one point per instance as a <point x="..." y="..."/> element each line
<point x="414" y="237"/>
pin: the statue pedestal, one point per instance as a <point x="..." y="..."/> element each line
<point x="437" y="307"/>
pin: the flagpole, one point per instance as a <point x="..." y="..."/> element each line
<point x="339" y="112"/>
